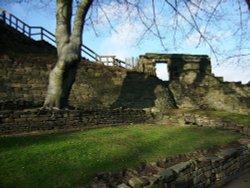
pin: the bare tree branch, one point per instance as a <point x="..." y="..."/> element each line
<point x="156" y="26"/>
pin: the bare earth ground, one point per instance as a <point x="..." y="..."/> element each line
<point x="242" y="181"/>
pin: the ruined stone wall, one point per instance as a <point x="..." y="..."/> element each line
<point x="210" y="92"/>
<point x="204" y="121"/>
<point x="30" y="120"/>
<point x="201" y="120"/>
<point x="180" y="66"/>
<point x="24" y="84"/>
<point x="199" y="169"/>
<point x="195" y="86"/>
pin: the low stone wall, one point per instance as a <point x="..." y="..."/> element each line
<point x="200" y="120"/>
<point x="196" y="171"/>
<point x="39" y="120"/>
<point x="204" y="121"/>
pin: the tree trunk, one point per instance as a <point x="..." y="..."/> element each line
<point x="69" y="44"/>
<point x="60" y="84"/>
<point x="62" y="77"/>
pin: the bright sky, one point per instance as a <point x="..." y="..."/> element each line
<point x="123" y="40"/>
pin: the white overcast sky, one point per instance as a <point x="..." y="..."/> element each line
<point x="123" y="40"/>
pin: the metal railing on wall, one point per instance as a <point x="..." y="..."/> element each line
<point x="43" y="34"/>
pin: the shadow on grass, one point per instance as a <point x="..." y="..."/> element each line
<point x="71" y="159"/>
<point x="8" y="142"/>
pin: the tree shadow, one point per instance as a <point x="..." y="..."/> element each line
<point x="137" y="91"/>
<point x="176" y="67"/>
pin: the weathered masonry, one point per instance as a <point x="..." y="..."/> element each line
<point x="193" y="84"/>
<point x="193" y="65"/>
<point x="197" y="170"/>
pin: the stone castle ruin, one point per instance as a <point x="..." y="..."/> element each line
<point x="193" y="84"/>
<point x="104" y="94"/>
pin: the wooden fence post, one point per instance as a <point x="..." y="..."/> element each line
<point x="23" y="29"/>
<point x="41" y="33"/>
<point x="4" y="16"/>
<point x="16" y="24"/>
<point x="29" y="32"/>
<point x="10" y="20"/>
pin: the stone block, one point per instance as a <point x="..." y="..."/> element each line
<point x="123" y="185"/>
<point x="182" y="166"/>
<point x="136" y="182"/>
<point x="197" y="172"/>
<point x="228" y="153"/>
<point x="167" y="175"/>
<point x="182" y="182"/>
<point x="154" y="181"/>
<point x="208" y="174"/>
<point x="197" y="179"/>
<point x="220" y="176"/>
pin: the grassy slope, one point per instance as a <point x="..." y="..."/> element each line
<point x="70" y="159"/>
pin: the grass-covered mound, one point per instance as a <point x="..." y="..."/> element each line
<point x="71" y="159"/>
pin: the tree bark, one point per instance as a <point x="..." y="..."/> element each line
<point x="69" y="43"/>
<point x="61" y="78"/>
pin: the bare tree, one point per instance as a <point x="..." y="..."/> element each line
<point x="205" y="21"/>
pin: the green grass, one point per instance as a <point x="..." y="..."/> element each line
<point x="238" y="118"/>
<point x="71" y="159"/>
<point x="234" y="117"/>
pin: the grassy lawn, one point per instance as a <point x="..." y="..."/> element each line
<point x="71" y="159"/>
